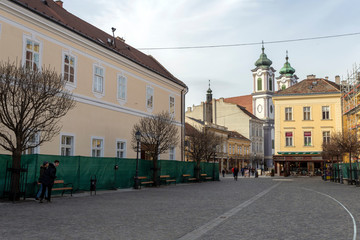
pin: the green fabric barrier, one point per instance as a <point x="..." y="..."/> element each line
<point x="79" y="170"/>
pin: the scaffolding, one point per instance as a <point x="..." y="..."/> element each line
<point x="350" y="100"/>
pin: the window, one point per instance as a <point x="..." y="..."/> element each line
<point x="122" y="88"/>
<point x="67" y="145"/>
<point x="307" y="113"/>
<point x="288" y="139"/>
<point x="32" y="55"/>
<point x="259" y="84"/>
<point x="69" y="68"/>
<point x="288" y="114"/>
<point x="283" y="87"/>
<point x="326" y="137"/>
<point x="270" y="84"/>
<point x="307" y="138"/>
<point x="240" y="151"/>
<point x="229" y="149"/>
<point x="172" y="106"/>
<point x="172" y="153"/>
<point x="149" y="97"/>
<point x="121" y="149"/>
<point x="272" y="144"/>
<point x="98" y="86"/>
<point x="32" y="144"/>
<point x="97" y="147"/>
<point x="325" y="112"/>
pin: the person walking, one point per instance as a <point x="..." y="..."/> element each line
<point x="236" y="171"/>
<point x="43" y="167"/>
<point x="48" y="180"/>
<point x="223" y="172"/>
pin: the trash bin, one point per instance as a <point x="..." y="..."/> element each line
<point x="93" y="181"/>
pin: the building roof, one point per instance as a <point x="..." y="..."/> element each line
<point x="189" y="129"/>
<point x="234" y="134"/>
<point x="310" y="86"/>
<point x="244" y="101"/>
<point x="57" y="14"/>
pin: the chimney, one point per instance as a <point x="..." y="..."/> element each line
<point x="312" y="76"/>
<point x="59" y="2"/>
<point x="188" y="109"/>
<point x="120" y="39"/>
<point x="327" y="78"/>
<point x="337" y="79"/>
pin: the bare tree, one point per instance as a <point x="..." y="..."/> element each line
<point x="348" y="143"/>
<point x="158" y="134"/>
<point x="202" y="145"/>
<point x="31" y="104"/>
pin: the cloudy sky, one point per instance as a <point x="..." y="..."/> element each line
<point x="187" y="23"/>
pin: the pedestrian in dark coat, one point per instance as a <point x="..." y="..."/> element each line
<point x="48" y="180"/>
<point x="43" y="167"/>
<point x="236" y="171"/>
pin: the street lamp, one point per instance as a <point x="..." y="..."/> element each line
<point x="138" y="139"/>
<point x="214" y="163"/>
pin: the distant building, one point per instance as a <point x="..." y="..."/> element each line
<point x="113" y="84"/>
<point x="307" y="113"/>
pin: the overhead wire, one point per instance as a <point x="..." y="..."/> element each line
<point x="252" y="43"/>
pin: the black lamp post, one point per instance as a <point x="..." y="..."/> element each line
<point x="214" y="163"/>
<point x="138" y="139"/>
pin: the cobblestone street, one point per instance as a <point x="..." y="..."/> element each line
<point x="262" y="208"/>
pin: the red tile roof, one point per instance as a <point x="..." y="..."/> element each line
<point x="311" y="86"/>
<point x="245" y="101"/>
<point x="55" y="13"/>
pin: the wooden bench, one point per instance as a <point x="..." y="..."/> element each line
<point x="205" y="177"/>
<point x="166" y="180"/>
<point x="187" y="177"/>
<point x="63" y="188"/>
<point x="144" y="182"/>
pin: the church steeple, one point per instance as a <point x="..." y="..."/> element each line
<point x="287" y="69"/>
<point x="287" y="77"/>
<point x="209" y="94"/>
<point x="263" y="61"/>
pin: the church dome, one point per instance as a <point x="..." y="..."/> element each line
<point x="263" y="61"/>
<point x="287" y="69"/>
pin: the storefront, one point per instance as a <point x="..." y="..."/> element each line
<point x="298" y="164"/>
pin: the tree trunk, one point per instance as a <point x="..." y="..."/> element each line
<point x="14" y="194"/>
<point x="155" y="172"/>
<point x="197" y="170"/>
<point x="350" y="168"/>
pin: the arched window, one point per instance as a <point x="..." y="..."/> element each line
<point x="270" y="84"/>
<point x="283" y="87"/>
<point x="259" y="84"/>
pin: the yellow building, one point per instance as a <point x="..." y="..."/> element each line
<point x="238" y="151"/>
<point x="306" y="114"/>
<point x="113" y="84"/>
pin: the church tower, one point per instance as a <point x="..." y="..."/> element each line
<point x="263" y="108"/>
<point x="208" y="109"/>
<point x="287" y="77"/>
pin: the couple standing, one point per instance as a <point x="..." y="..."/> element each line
<point x="47" y="178"/>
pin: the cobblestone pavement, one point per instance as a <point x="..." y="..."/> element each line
<point x="261" y="208"/>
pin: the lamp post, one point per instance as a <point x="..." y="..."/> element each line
<point x="214" y="163"/>
<point x="138" y="139"/>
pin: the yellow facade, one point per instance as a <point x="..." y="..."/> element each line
<point x="105" y="115"/>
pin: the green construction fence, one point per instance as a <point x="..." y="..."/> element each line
<point x="78" y="170"/>
<point x="344" y="170"/>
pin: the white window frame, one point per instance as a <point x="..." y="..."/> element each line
<point x="35" y="150"/>
<point x="307" y="139"/>
<point x="32" y="39"/>
<point x="121" y="87"/>
<point x="172" y="152"/>
<point x="149" y="93"/>
<point x="306" y="114"/>
<point x="123" y="150"/>
<point x="325" y="111"/>
<point x="69" y="85"/>
<point x="72" y="146"/>
<point x="326" y="138"/>
<point x="172" y="105"/>
<point x="101" y="148"/>
<point x="97" y="93"/>
<point x="288" y="114"/>
<point x="289" y="140"/>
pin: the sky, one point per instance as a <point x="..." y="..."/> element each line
<point x="188" y="23"/>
